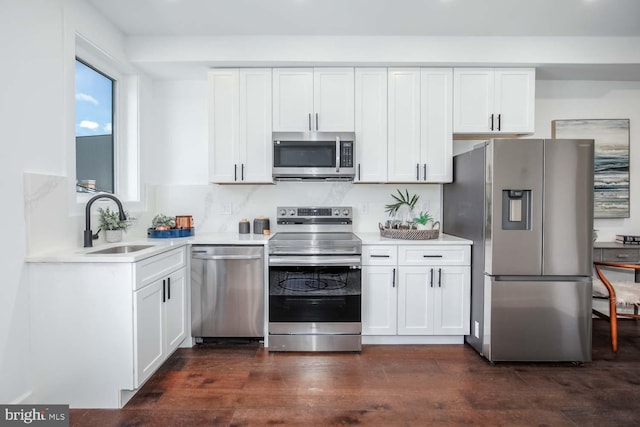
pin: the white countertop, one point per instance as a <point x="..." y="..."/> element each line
<point x="158" y="246"/>
<point x="371" y="238"/>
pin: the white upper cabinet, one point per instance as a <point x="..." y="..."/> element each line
<point x="404" y="125"/>
<point x="494" y="101"/>
<point x="240" y="126"/>
<point x="420" y="125"/>
<point x="371" y="124"/>
<point x="436" y="124"/>
<point x="307" y="99"/>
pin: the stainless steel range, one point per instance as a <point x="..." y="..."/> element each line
<point x="315" y="281"/>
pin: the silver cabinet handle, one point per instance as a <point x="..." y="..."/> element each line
<point x="229" y="257"/>
<point x="431" y="279"/>
<point x="309" y="121"/>
<point x="417" y="171"/>
<point x="424" y="170"/>
<point x="439" y="277"/>
<point x="235" y="171"/>
<point x="491" y="127"/>
<point x="379" y="256"/>
<point x="242" y="173"/>
<point x="622" y="256"/>
<point x="316" y="121"/>
<point x="499" y="121"/>
<point x="358" y="171"/>
<point x="393" y="280"/>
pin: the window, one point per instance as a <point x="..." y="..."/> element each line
<point x="105" y="145"/>
<point x="94" y="122"/>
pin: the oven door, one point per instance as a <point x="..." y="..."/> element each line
<point x="314" y="293"/>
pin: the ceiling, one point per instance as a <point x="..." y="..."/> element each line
<point x="374" y="17"/>
<point x="430" y="18"/>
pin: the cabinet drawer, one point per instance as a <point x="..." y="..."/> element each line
<point x="161" y="265"/>
<point x="621" y="255"/>
<point x="434" y="255"/>
<point x="379" y="255"/>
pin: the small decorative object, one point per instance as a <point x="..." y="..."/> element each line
<point x="165" y="227"/>
<point x="611" y="171"/>
<point x="163" y="222"/>
<point x="244" y="226"/>
<point x="402" y="200"/>
<point x="112" y="225"/>
<point x="260" y="224"/>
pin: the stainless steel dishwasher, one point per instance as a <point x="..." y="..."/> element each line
<point x="227" y="291"/>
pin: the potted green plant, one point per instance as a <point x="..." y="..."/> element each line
<point x="112" y="225"/>
<point x="422" y="219"/>
<point x="163" y="222"/>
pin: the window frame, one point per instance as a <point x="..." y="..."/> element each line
<point x="125" y="125"/>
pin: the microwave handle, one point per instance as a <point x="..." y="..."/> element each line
<point x="337" y="154"/>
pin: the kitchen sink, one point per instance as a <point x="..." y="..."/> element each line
<point x="123" y="249"/>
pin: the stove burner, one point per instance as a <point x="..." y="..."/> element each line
<point x="309" y="282"/>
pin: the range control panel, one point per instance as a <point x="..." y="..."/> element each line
<point x="315" y="212"/>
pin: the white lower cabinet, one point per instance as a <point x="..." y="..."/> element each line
<point x="160" y="323"/>
<point x="102" y="328"/>
<point x="404" y="299"/>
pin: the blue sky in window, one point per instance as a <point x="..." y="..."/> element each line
<point x="94" y="97"/>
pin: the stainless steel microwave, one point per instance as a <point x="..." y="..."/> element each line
<point x="312" y="156"/>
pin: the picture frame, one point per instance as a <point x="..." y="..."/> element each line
<point x="611" y="163"/>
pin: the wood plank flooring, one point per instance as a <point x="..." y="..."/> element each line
<point x="244" y="385"/>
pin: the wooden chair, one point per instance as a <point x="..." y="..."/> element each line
<point x="620" y="293"/>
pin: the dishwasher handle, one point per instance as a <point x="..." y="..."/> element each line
<point x="225" y="257"/>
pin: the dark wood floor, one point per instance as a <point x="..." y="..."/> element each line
<point x="386" y="386"/>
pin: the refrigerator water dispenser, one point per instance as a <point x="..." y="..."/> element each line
<point x="516" y="209"/>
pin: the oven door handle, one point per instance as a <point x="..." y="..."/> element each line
<point x="353" y="262"/>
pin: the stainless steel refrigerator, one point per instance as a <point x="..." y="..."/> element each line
<point x="527" y="204"/>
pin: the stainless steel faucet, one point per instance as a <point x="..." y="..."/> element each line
<point x="89" y="237"/>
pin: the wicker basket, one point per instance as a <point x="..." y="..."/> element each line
<point x="411" y="234"/>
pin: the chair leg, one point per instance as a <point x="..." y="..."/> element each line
<point x="613" y="321"/>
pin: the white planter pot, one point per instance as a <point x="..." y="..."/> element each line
<point x="113" y="236"/>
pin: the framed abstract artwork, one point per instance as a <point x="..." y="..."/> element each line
<point x="611" y="168"/>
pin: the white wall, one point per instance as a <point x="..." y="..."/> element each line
<point x="596" y="100"/>
<point x="36" y="110"/>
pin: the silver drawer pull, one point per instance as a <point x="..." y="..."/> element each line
<point x="431" y="256"/>
<point x="379" y="256"/>
<point x="622" y="256"/>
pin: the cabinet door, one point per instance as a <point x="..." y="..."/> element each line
<point x="333" y="100"/>
<point x="436" y="128"/>
<point x="175" y="311"/>
<point x="515" y="100"/>
<point x="148" y="331"/>
<point x="379" y="300"/>
<point x="292" y="99"/>
<point x="415" y="300"/>
<point x="451" y="303"/>
<point x="473" y="100"/>
<point x="255" y="125"/>
<point x="223" y="125"/>
<point x="371" y="124"/>
<point x="404" y="125"/>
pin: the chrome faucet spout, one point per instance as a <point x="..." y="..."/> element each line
<point x="88" y="233"/>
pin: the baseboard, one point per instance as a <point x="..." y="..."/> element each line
<point x="409" y="339"/>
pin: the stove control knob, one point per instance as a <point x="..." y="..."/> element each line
<point x="283" y="212"/>
<point x="292" y="212"/>
<point x="345" y="212"/>
<point x="336" y="212"/>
